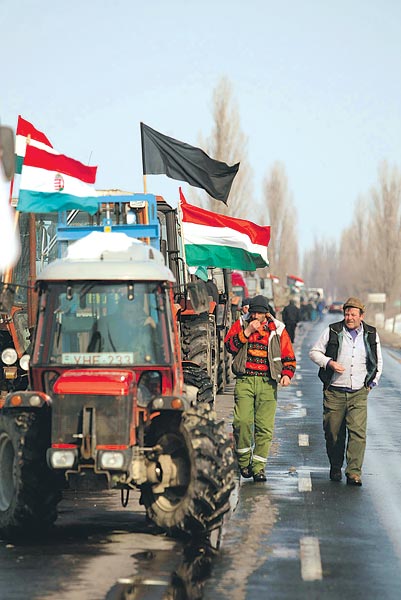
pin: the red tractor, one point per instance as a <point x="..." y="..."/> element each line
<point x="106" y="407"/>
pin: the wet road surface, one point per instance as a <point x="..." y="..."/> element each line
<point x="301" y="535"/>
<point x="297" y="536"/>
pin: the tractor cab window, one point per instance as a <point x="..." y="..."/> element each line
<point x="89" y="324"/>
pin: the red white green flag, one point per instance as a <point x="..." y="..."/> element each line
<point x="55" y="182"/>
<point x="27" y="134"/>
<point x="214" y="240"/>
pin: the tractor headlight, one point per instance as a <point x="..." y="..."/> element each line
<point x="62" y="459"/>
<point x="158" y="403"/>
<point x="9" y="356"/>
<point x="111" y="460"/>
<point x="35" y="400"/>
<point x="24" y="362"/>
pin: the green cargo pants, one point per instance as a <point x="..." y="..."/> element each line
<point x="345" y="412"/>
<point x="254" y="412"/>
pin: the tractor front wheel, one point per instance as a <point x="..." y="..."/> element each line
<point x="28" y="490"/>
<point x="202" y="456"/>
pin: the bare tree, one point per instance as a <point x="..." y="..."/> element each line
<point x="385" y="233"/>
<point x="370" y="247"/>
<point x="228" y="143"/>
<point x="283" y="247"/>
<point x="368" y="256"/>
<point x="321" y="267"/>
<point x="354" y="273"/>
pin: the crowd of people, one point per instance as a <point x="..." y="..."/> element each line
<point x="349" y="357"/>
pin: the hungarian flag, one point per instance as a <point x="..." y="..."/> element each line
<point x="163" y="155"/>
<point x="27" y="134"/>
<point x="293" y="280"/>
<point x="214" y="240"/>
<point x="54" y="182"/>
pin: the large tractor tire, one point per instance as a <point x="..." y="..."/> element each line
<point x="214" y="366"/>
<point x="28" y="489"/>
<point x="195" y="340"/>
<point x="202" y="455"/>
<point x="197" y="378"/>
<point x="221" y="371"/>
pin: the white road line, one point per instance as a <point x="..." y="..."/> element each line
<point x="303" y="439"/>
<point x="311" y="564"/>
<point x="298" y="394"/>
<point x="304" y="481"/>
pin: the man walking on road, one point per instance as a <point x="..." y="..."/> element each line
<point x="269" y="360"/>
<point x="291" y="317"/>
<point x="349" y="356"/>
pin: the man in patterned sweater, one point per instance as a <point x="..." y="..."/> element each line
<point x="270" y="361"/>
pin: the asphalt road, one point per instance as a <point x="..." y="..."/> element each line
<point x="301" y="535"/>
<point x="297" y="536"/>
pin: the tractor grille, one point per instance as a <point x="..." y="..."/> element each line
<point x="109" y="418"/>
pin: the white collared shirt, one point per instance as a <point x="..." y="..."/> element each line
<point x="351" y="355"/>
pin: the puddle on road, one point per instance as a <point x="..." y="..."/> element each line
<point x="242" y="553"/>
<point x="185" y="582"/>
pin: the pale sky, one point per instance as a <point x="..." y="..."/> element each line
<point x="317" y="84"/>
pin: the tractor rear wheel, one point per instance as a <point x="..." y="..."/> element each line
<point x="195" y="339"/>
<point x="28" y="490"/>
<point x="197" y="377"/>
<point x="203" y="459"/>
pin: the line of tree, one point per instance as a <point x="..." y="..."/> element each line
<point x="367" y="257"/>
<point x="228" y="142"/>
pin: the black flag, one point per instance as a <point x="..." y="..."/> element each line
<point x="163" y="155"/>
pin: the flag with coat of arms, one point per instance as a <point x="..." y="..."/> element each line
<point x="54" y="182"/>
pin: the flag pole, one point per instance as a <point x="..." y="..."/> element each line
<point x="145" y="187"/>
<point x="179" y="211"/>
<point x="143" y="160"/>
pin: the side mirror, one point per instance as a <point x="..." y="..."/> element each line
<point x="199" y="296"/>
<point x="7" y="151"/>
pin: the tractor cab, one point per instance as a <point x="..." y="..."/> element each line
<point x="104" y="309"/>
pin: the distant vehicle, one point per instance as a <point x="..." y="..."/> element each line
<point x="336" y="307"/>
<point x="239" y="286"/>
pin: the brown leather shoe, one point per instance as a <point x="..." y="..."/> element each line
<point x="354" y="479"/>
<point x="335" y="474"/>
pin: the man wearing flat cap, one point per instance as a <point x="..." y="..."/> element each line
<point x="268" y="361"/>
<point x="349" y="356"/>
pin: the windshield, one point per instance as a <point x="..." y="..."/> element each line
<point x="90" y="324"/>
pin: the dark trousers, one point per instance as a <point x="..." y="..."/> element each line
<point x="344" y="423"/>
<point x="290" y="327"/>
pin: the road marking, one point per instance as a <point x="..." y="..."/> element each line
<point x="298" y="376"/>
<point x="311" y="564"/>
<point x="298" y="394"/>
<point x="304" y="481"/>
<point x="397" y="358"/>
<point x="302" y="412"/>
<point x="303" y="439"/>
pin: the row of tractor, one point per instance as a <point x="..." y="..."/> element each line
<point x="92" y="399"/>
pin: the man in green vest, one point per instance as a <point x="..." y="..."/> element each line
<point x="349" y="356"/>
